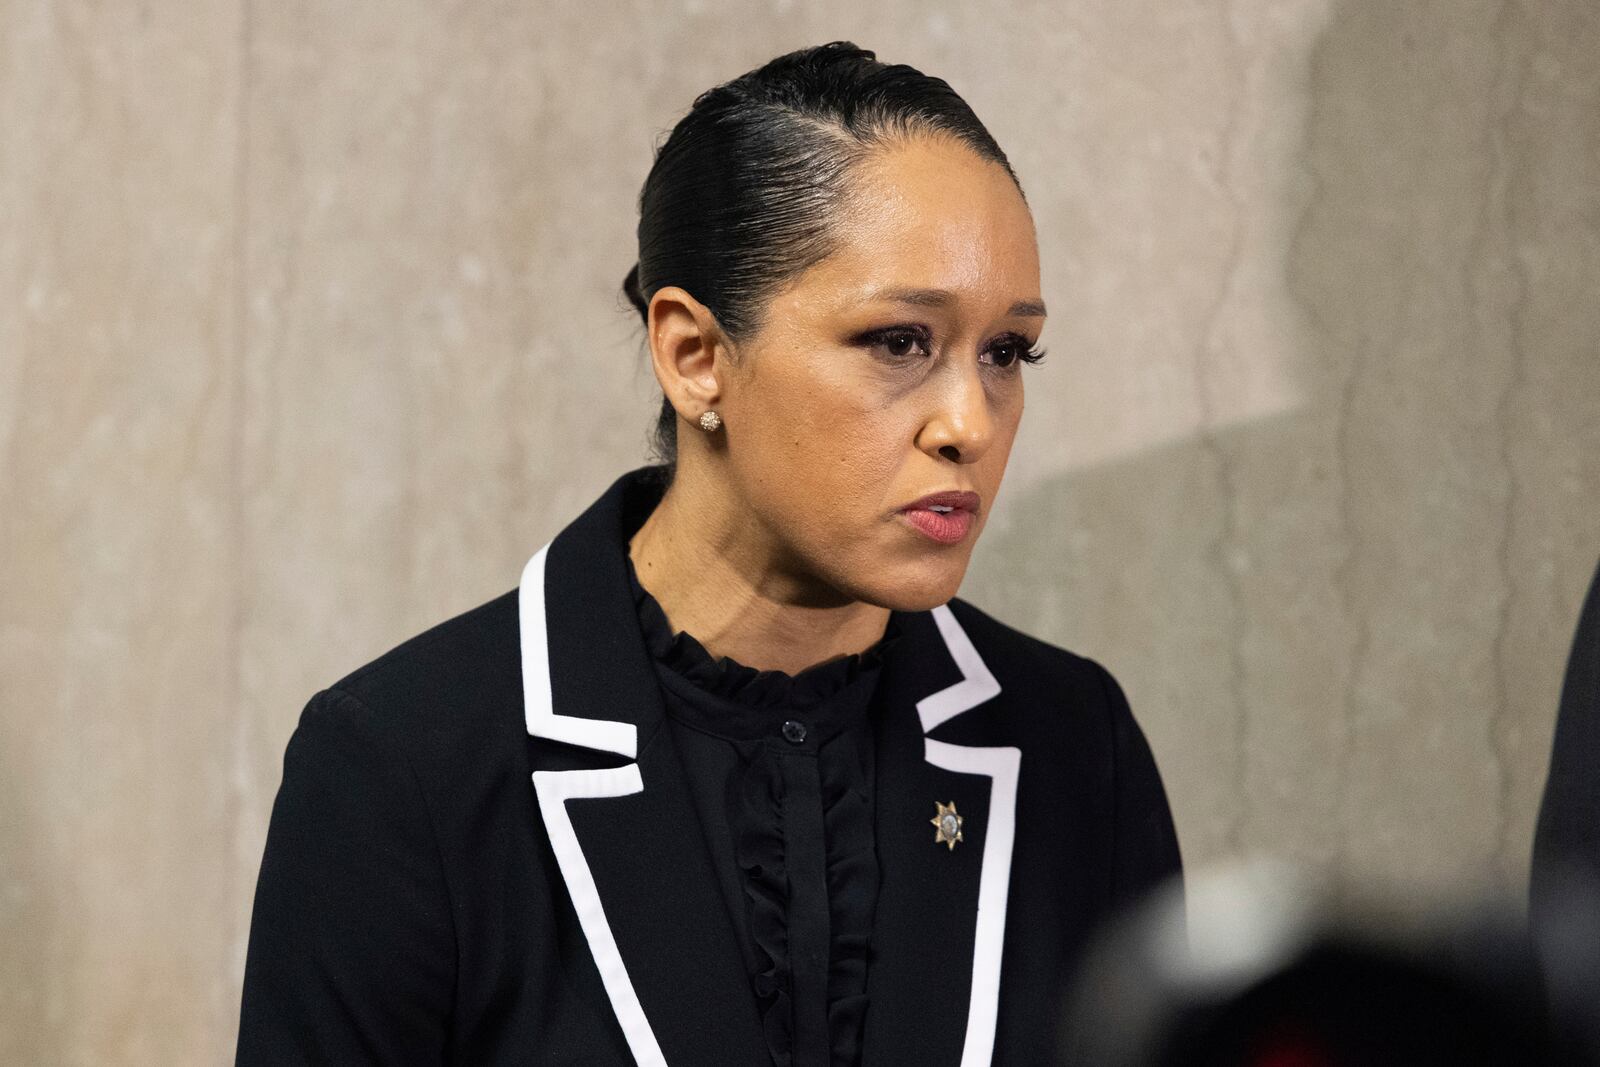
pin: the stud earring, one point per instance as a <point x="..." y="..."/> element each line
<point x="709" y="421"/>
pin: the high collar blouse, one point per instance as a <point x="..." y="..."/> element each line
<point x="781" y="770"/>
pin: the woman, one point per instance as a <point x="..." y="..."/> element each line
<point x="826" y="814"/>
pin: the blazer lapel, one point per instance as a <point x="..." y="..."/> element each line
<point x="621" y="822"/>
<point x="616" y="804"/>
<point x="933" y="981"/>
<point x="668" y="919"/>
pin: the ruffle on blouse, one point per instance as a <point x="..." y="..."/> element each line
<point x="756" y="816"/>
<point x="829" y="696"/>
<point x="748" y="686"/>
<point x="852" y="880"/>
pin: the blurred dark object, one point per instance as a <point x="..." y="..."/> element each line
<point x="1566" y="933"/>
<point x="1275" y="973"/>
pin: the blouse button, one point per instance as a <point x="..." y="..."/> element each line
<point x="794" y="732"/>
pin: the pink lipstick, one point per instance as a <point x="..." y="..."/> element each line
<point x="946" y="517"/>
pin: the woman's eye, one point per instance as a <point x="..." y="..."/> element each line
<point x="901" y="343"/>
<point x="1009" y="352"/>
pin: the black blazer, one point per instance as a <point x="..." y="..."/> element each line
<point x="1566" y="843"/>
<point x="484" y="849"/>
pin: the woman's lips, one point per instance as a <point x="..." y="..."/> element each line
<point x="945" y="527"/>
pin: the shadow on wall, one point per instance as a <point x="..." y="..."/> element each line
<point x="1343" y="627"/>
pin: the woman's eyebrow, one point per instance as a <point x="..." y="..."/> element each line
<point x="944" y="297"/>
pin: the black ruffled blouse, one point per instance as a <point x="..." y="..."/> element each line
<point x="781" y="769"/>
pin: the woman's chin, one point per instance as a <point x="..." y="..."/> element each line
<point x="922" y="587"/>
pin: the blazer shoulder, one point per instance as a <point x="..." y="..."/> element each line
<point x="1005" y="646"/>
<point x="471" y="660"/>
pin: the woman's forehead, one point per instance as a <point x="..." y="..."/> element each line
<point x="935" y="222"/>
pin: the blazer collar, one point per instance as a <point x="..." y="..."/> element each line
<point x="679" y="990"/>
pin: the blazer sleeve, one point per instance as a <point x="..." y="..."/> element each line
<point x="1566" y="842"/>
<point x="1145" y="842"/>
<point x="351" y="955"/>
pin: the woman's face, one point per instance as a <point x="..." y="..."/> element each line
<point x="886" y="372"/>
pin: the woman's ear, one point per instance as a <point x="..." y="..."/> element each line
<point x="684" y="345"/>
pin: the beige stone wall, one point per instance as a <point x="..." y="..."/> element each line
<point x="309" y="334"/>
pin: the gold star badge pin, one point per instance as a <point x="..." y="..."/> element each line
<point x="947" y="824"/>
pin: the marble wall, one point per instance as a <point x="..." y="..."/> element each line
<point x="309" y="334"/>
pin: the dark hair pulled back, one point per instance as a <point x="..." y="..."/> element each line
<point x="742" y="193"/>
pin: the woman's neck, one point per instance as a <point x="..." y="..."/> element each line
<point x="718" y="577"/>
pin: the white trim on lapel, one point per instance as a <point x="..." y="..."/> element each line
<point x="994" y="882"/>
<point x="976" y="685"/>
<point x="1001" y="764"/>
<point x="555" y="788"/>
<point x="619" y="737"/>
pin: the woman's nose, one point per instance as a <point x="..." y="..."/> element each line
<point x="961" y="424"/>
